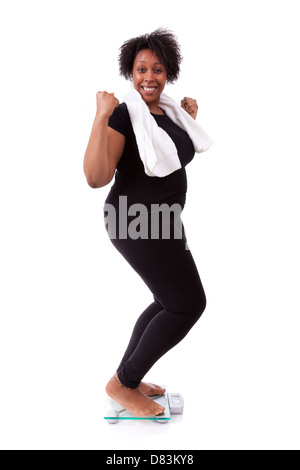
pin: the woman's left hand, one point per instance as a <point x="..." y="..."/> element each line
<point x="190" y="106"/>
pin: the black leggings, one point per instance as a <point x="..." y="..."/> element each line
<point x="168" y="269"/>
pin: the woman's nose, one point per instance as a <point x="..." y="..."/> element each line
<point x="149" y="76"/>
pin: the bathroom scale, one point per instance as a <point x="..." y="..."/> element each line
<point x="172" y="402"/>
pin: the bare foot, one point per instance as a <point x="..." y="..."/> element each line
<point x="151" y="389"/>
<point x="132" y="400"/>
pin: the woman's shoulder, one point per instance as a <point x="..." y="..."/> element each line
<point x="121" y="111"/>
<point x="120" y="120"/>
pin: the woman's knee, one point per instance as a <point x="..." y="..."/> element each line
<point x="192" y="302"/>
<point x="197" y="303"/>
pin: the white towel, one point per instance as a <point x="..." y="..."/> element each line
<point x="157" y="150"/>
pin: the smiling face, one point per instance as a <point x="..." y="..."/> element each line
<point x="149" y="77"/>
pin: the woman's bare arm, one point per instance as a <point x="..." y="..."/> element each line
<point x="105" y="146"/>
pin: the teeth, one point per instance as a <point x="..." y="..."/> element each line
<point x="148" y="89"/>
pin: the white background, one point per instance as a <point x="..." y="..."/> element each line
<point x="69" y="300"/>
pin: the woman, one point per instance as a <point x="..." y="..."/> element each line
<point x="164" y="263"/>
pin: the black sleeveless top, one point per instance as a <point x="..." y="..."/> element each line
<point x="130" y="177"/>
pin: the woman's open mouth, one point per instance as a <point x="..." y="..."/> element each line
<point x="149" y="90"/>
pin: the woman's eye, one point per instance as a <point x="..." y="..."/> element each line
<point x="143" y="70"/>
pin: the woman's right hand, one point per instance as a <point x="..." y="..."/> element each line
<point x="106" y="103"/>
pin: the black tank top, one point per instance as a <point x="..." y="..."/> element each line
<point x="130" y="177"/>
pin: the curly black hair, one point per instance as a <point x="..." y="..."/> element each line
<point x="163" y="42"/>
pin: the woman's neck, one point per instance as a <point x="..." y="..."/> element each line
<point x="156" y="110"/>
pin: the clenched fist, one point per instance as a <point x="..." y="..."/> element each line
<point x="106" y="103"/>
<point x="190" y="106"/>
